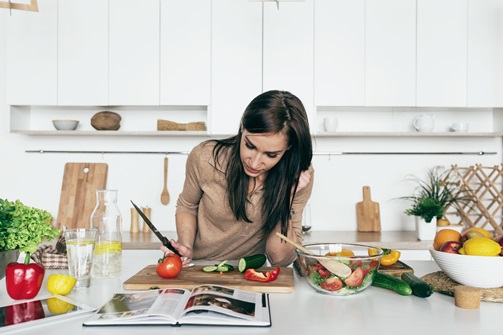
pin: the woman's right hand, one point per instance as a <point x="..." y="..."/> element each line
<point x="185" y="252"/>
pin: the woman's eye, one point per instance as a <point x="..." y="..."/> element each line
<point x="272" y="155"/>
<point x="249" y="146"/>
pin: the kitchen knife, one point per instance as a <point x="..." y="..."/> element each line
<point x="163" y="239"/>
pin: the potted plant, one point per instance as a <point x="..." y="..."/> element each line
<point x="432" y="197"/>
<point x="22" y="229"/>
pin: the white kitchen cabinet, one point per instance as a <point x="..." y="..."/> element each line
<point x="236" y="61"/>
<point x="485" y="53"/>
<point x="339" y="49"/>
<point x="185" y="52"/>
<point x="83" y="53"/>
<point x="288" y="44"/>
<point x="32" y="55"/>
<point x="442" y="53"/>
<point x="134" y="52"/>
<point x="390" y="53"/>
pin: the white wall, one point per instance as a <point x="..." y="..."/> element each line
<point x="36" y="179"/>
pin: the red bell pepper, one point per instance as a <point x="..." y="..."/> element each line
<point x="263" y="277"/>
<point x="26" y="311"/>
<point x="24" y="280"/>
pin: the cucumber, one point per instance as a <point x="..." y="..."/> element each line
<point x="210" y="268"/>
<point x="251" y="262"/>
<point x="419" y="287"/>
<point x="221" y="267"/>
<point x="389" y="282"/>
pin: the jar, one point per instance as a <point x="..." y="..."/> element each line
<point x="107" y="219"/>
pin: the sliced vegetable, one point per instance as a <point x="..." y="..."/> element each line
<point x="251" y="262"/>
<point x="264" y="277"/>
<point x="389" y="256"/>
<point x="419" y="287"/>
<point x="389" y="282"/>
<point x="220" y="267"/>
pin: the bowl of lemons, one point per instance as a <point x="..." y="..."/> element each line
<point x="472" y="258"/>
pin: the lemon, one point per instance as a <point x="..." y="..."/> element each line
<point x="58" y="306"/>
<point x="342" y="253"/>
<point x="107" y="247"/>
<point x="481" y="246"/>
<point x="60" y="284"/>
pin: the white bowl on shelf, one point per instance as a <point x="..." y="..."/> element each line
<point x="65" y="124"/>
<point x="477" y="271"/>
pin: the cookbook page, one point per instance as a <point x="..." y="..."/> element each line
<point x="213" y="301"/>
<point x="141" y="307"/>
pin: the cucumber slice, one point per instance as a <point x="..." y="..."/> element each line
<point x="211" y="268"/>
<point x="251" y="262"/>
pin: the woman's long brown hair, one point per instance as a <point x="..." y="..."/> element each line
<point x="270" y="112"/>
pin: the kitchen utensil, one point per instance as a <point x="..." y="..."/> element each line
<point x="368" y="213"/>
<point x="165" y="193"/>
<point x="65" y="124"/>
<point x="396" y="269"/>
<point x="161" y="237"/>
<point x="78" y="193"/>
<point x="332" y="265"/>
<point x="194" y="276"/>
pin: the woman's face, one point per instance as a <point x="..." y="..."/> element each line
<point x="261" y="152"/>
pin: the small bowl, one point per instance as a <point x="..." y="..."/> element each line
<point x="363" y="267"/>
<point x="477" y="271"/>
<point x="65" y="124"/>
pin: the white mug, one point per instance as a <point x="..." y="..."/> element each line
<point x="459" y="126"/>
<point x="330" y="124"/>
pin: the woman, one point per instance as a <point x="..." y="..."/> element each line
<point x="240" y="191"/>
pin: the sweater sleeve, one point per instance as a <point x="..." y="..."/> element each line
<point x="188" y="200"/>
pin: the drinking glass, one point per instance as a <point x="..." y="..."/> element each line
<point x="79" y="250"/>
<point x="306" y="219"/>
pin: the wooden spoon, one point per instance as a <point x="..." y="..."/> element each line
<point x="165" y="193"/>
<point x="332" y="265"/>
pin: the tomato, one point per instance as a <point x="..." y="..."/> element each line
<point x="331" y="284"/>
<point x="356" y="278"/>
<point x="169" y="266"/>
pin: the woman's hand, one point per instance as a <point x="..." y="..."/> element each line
<point x="185" y="252"/>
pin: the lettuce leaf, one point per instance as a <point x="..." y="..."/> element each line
<point x="23" y="227"/>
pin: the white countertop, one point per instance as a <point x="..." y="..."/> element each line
<point x="374" y="311"/>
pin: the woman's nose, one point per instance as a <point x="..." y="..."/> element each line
<point x="255" y="161"/>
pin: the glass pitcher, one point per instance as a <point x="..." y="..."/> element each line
<point x="106" y="217"/>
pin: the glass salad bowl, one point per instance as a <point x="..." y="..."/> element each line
<point x="338" y="268"/>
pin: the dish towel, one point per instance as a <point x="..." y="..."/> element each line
<point x="52" y="256"/>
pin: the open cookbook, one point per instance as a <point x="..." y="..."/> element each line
<point x="204" y="305"/>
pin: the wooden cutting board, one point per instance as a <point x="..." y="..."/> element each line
<point x="191" y="277"/>
<point x="78" y="193"/>
<point x="368" y="214"/>
<point x="396" y="269"/>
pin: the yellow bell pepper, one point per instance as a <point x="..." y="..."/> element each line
<point x="389" y="256"/>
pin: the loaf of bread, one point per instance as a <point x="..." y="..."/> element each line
<point x="106" y="121"/>
<point x="170" y="125"/>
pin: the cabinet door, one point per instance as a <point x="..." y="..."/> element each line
<point x="134" y="52"/>
<point x="236" y="61"/>
<point x="83" y="52"/>
<point x="32" y="55"/>
<point x="288" y="49"/>
<point x="339" y="49"/>
<point x="185" y="52"/>
<point x="485" y="53"/>
<point x="390" y="53"/>
<point x="441" y="53"/>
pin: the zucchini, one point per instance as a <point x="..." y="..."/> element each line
<point x="251" y="262"/>
<point x="389" y="282"/>
<point x="419" y="287"/>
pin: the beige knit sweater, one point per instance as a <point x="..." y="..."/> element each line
<point x="219" y="236"/>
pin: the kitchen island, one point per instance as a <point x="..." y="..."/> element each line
<point x="374" y="311"/>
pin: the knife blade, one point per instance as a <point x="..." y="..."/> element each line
<point x="161" y="237"/>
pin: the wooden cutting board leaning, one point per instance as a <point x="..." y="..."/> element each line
<point x="194" y="276"/>
<point x="368" y="214"/>
<point x="78" y="193"/>
<point x="396" y="269"/>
